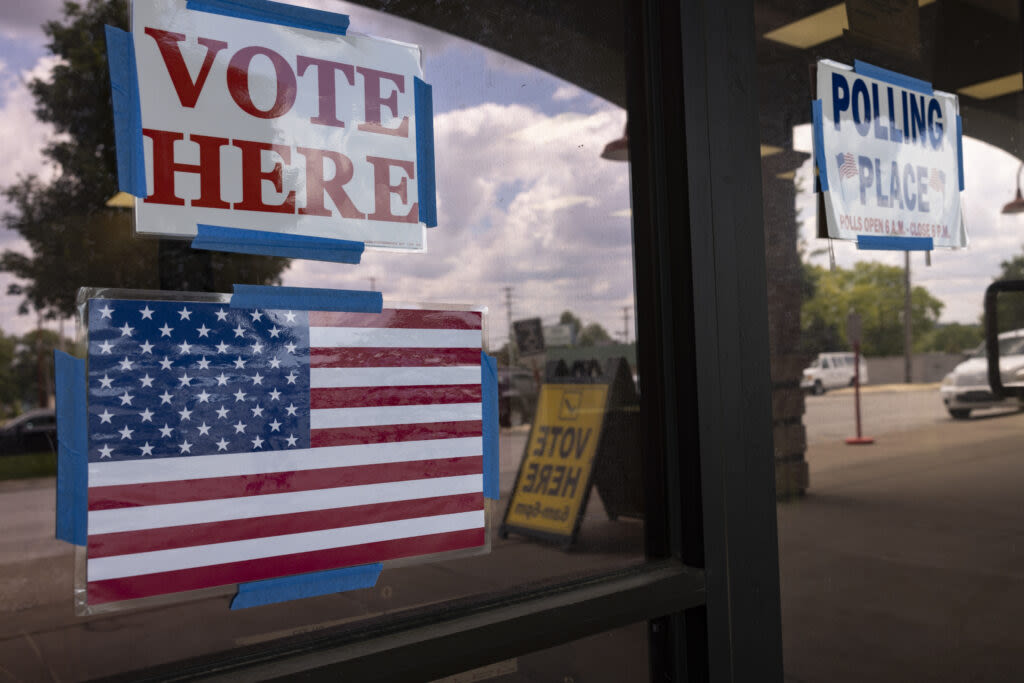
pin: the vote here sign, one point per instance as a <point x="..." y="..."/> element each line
<point x="256" y="125"/>
<point x="888" y="153"/>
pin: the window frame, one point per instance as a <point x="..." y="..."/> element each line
<point x="710" y="589"/>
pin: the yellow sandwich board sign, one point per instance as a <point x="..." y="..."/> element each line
<point x="580" y="433"/>
<point x="554" y="476"/>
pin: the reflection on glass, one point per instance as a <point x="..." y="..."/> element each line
<point x="894" y="557"/>
<point x="532" y="223"/>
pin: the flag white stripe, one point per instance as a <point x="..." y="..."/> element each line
<point x="364" y="337"/>
<point x="120" y="566"/>
<point x="328" y="418"/>
<point x="260" y="462"/>
<point x="223" y="509"/>
<point x="321" y="378"/>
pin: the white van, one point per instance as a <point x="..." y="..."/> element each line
<point x="832" y="370"/>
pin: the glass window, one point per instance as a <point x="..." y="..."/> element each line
<point x="879" y="536"/>
<point x="535" y="220"/>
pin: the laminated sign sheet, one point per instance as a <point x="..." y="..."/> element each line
<point x="554" y="477"/>
<point x="230" y="445"/>
<point x="888" y="153"/>
<point x="250" y="121"/>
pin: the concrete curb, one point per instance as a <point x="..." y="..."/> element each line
<point x="886" y="388"/>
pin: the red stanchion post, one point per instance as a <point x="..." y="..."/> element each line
<point x="859" y="439"/>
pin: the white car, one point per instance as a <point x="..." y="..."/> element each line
<point x="967" y="388"/>
<point x="831" y="371"/>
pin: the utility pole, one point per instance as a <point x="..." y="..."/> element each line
<point x="625" y="324"/>
<point x="906" y="318"/>
<point x="511" y="333"/>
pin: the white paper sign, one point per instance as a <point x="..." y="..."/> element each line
<point x="890" y="150"/>
<point x="255" y="125"/>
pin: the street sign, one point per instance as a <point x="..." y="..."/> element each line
<point x="529" y="336"/>
<point x="229" y="445"/>
<point x="888" y="153"/>
<point x="558" y="335"/>
<point x="555" y="473"/>
<point x="853" y="327"/>
<point x="251" y="124"/>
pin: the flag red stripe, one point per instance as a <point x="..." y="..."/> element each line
<point x="215" y="488"/>
<point x="354" y="397"/>
<point x="106" y="545"/>
<point x="389" y="317"/>
<point x="348" y="436"/>
<point x="391" y="357"/>
<point x="129" y="588"/>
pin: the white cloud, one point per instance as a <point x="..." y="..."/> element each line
<point x="22" y="20"/>
<point x="957" y="277"/>
<point x="564" y="93"/>
<point x="525" y="201"/>
<point x="23" y="137"/>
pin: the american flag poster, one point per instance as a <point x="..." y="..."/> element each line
<point x="230" y="445"/>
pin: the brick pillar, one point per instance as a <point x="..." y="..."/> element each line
<point x="784" y="300"/>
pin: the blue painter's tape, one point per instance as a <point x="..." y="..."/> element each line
<point x="242" y="241"/>
<point x="288" y="588"/>
<point x="489" y="395"/>
<point x="72" y="448"/>
<point x="960" y="149"/>
<point x="124" y="85"/>
<point x="424" y="97"/>
<point x="306" y="299"/>
<point x="883" y="243"/>
<point x="819" y="144"/>
<point x="901" y="80"/>
<point x="275" y="13"/>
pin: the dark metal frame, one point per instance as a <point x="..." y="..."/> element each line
<point x="710" y="588"/>
<point x="995" y="379"/>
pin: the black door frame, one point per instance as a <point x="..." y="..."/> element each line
<point x="710" y="590"/>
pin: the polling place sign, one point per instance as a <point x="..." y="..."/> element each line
<point x="889" y="157"/>
<point x="267" y="118"/>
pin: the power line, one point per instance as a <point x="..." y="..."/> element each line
<point x="511" y="335"/>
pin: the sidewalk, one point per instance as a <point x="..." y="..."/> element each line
<point x="904" y="562"/>
<point x="887" y="388"/>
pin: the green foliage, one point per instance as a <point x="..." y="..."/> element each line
<point x="74" y="239"/>
<point x="26" y="370"/>
<point x="27" y="465"/>
<point x="593" y="335"/>
<point x="9" y="389"/>
<point x="873" y="290"/>
<point x="569" y="318"/>
<point x="1010" y="309"/>
<point x="951" y="338"/>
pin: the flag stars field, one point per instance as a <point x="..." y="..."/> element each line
<point x="173" y="378"/>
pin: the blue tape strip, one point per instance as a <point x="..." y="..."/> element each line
<point x="960" y="149"/>
<point x="124" y="85"/>
<point x="242" y="241"/>
<point x="884" y="243"/>
<point x="72" y="448"/>
<point x="306" y="299"/>
<point x="898" y="79"/>
<point x="287" y="588"/>
<point x="819" y="144"/>
<point x="424" y="97"/>
<point x="489" y="394"/>
<point x="275" y="13"/>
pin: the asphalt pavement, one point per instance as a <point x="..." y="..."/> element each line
<point x="904" y="562"/>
